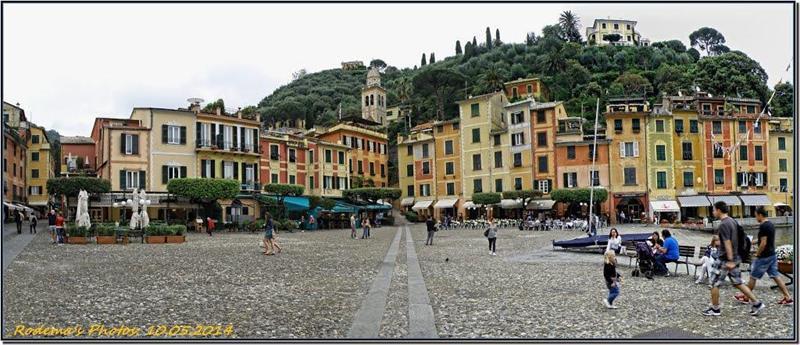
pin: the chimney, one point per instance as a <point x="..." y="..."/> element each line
<point x="219" y="111"/>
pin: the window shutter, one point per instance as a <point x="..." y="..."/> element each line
<point x="198" y="132"/>
<point x="213" y="168"/>
<point x="122" y="143"/>
<point x="535" y="184"/>
<point x="235" y="170"/>
<point x="549" y="185"/>
<point x="164" y="133"/>
<point x="135" y="149"/>
<point x="255" y="141"/>
<point x="244" y="168"/>
<point x="183" y="172"/>
<point x="763" y="179"/>
<point x="203" y="168"/>
<point x="622" y="149"/>
<point x="256" y="173"/>
<point x="122" y="182"/>
<point x="142" y="179"/>
<point x="636" y="149"/>
<point x="183" y="135"/>
<point x="566" y="184"/>
<point x="213" y="136"/>
<point x="164" y="173"/>
<point x="241" y="136"/>
<point x="234" y="140"/>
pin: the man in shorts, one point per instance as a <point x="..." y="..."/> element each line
<point x="728" y="264"/>
<point x="766" y="261"/>
<point x="51" y="224"/>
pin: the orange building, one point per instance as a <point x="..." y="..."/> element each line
<point x="369" y="156"/>
<point x="284" y="158"/>
<point x="526" y="88"/>
<point x="447" y="167"/>
<point x="574" y="151"/>
<point x="15" y="151"/>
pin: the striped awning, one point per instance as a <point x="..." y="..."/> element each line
<point x="694" y="201"/>
<point x="731" y="200"/>
<point x="446" y="203"/>
<point x="664" y="206"/>
<point x="755" y="200"/>
<point x="407" y="201"/>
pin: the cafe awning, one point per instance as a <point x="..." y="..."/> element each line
<point x="755" y="200"/>
<point x="731" y="200"/>
<point x="422" y="204"/>
<point x="470" y="205"/>
<point x="541" y="204"/>
<point x="780" y="204"/>
<point x="407" y="201"/>
<point x="11" y="207"/>
<point x="665" y="206"/>
<point x="294" y="203"/>
<point x="510" y="203"/>
<point x="694" y="201"/>
<point x="446" y="203"/>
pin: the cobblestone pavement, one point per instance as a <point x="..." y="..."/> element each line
<point x="315" y="288"/>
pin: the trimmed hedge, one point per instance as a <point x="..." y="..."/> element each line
<point x="579" y="195"/>
<point x="204" y="189"/>
<point x="372" y="193"/>
<point x="486" y="198"/>
<point x="71" y="186"/>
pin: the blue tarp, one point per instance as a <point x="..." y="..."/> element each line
<point x="599" y="240"/>
<point x="294" y="203"/>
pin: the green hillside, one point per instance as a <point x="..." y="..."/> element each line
<point x="574" y="71"/>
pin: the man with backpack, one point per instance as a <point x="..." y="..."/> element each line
<point x="766" y="259"/>
<point x="733" y="248"/>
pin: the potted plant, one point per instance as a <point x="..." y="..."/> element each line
<point x="785" y="256"/>
<point x="176" y="233"/>
<point x="154" y="234"/>
<point x="106" y="234"/>
<point x="77" y="234"/>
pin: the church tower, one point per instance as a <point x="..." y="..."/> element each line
<point x="373" y="98"/>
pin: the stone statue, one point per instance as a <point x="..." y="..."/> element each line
<point x="82" y="217"/>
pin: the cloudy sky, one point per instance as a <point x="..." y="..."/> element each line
<point x="66" y="64"/>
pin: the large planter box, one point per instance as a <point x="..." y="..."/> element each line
<point x="77" y="240"/>
<point x="106" y="239"/>
<point x="155" y="239"/>
<point x="175" y="239"/>
<point x="785" y="267"/>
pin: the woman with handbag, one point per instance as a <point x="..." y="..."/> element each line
<point x="491" y="234"/>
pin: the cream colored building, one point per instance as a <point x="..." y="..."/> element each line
<point x="416" y="159"/>
<point x="40" y="167"/>
<point x="626" y="29"/>
<point x="780" y="175"/>
<point x="171" y="144"/>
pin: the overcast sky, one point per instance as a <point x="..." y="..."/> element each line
<point x="67" y="64"/>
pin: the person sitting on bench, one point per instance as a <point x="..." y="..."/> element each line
<point x="669" y="252"/>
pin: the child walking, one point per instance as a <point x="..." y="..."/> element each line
<point x="711" y="255"/>
<point x="613" y="279"/>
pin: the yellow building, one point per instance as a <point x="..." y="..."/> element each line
<point x="416" y="157"/>
<point x="688" y="150"/>
<point x="227" y="146"/>
<point x="600" y="31"/>
<point x="447" y="167"/>
<point x="40" y="168"/>
<point x="625" y="121"/>
<point x="518" y="117"/>
<point x="482" y="126"/>
<point x="660" y="173"/>
<point x="781" y="164"/>
<point x="329" y="168"/>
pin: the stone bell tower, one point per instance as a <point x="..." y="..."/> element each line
<point x="373" y="98"/>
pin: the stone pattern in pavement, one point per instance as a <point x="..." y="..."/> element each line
<point x="529" y="291"/>
<point x="311" y="290"/>
<point x="395" y="319"/>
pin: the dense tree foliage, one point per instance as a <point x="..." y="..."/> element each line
<point x="707" y="39"/>
<point x="71" y="186"/>
<point x="204" y="190"/>
<point x="575" y="73"/>
<point x="371" y="194"/>
<point x="486" y="198"/>
<point x="579" y="195"/>
<point x="783" y="103"/>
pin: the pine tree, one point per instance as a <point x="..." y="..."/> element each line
<point x="423" y="63"/>
<point x="458" y="47"/>
<point x="432" y="59"/>
<point x="497" y="40"/>
<point x="488" y="38"/>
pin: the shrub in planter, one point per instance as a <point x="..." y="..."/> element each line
<point x="106" y="234"/>
<point x="77" y="234"/>
<point x="175" y="233"/>
<point x="154" y="234"/>
<point x="412" y="216"/>
<point x="387" y="221"/>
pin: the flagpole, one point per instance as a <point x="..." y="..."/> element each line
<point x="591" y="172"/>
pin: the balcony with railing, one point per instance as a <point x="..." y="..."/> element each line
<point x="229" y="146"/>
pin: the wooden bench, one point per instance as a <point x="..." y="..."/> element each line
<point x="685" y="255"/>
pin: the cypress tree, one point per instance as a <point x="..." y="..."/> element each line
<point x="423" y="63"/>
<point x="474" y="43"/>
<point x="458" y="47"/>
<point x="497" y="41"/>
<point x="488" y="38"/>
<point x="468" y="50"/>
<point x="432" y="59"/>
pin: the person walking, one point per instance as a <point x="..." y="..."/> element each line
<point x="18" y="220"/>
<point x="766" y="260"/>
<point x="365" y="224"/>
<point x="312" y="223"/>
<point x="622" y="217"/>
<point x="269" y="228"/>
<point x="491" y="234"/>
<point x="614" y="241"/>
<point x="613" y="278"/>
<point x="51" y="224"/>
<point x="60" y="228"/>
<point x="728" y="264"/>
<point x="353" y="234"/>
<point x="708" y="260"/>
<point x="212" y="224"/>
<point x="32" y="220"/>
<point x="430" y="224"/>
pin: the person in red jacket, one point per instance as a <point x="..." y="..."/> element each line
<point x="60" y="228"/>
<point x="212" y="224"/>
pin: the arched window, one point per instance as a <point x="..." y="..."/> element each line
<point x="366" y="100"/>
<point x="371" y="99"/>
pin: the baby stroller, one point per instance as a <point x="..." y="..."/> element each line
<point x="646" y="261"/>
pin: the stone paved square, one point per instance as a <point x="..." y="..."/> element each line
<point x="317" y="286"/>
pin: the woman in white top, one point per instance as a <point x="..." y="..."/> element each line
<point x="614" y="241"/>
